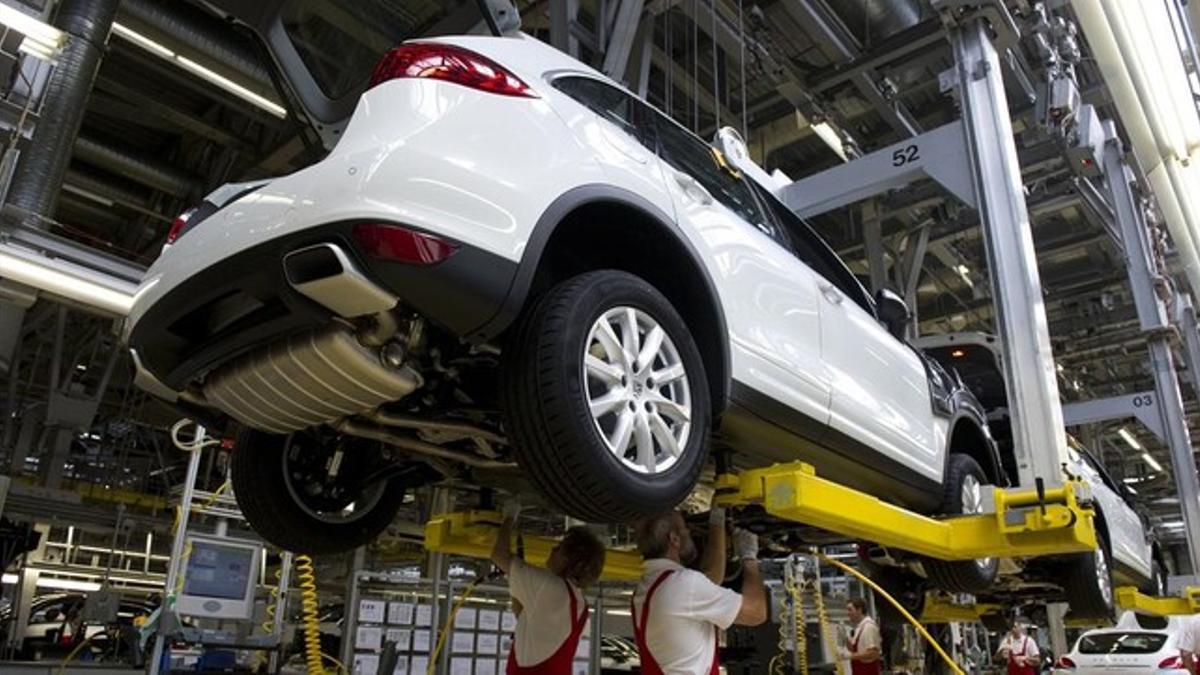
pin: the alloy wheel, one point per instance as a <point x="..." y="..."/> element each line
<point x="637" y="390"/>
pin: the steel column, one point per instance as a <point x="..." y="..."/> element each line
<point x="173" y="568"/>
<point x="1038" y="435"/>
<point x="1152" y="314"/>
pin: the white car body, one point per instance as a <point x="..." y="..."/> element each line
<point x="1126" y="649"/>
<point x="485" y="170"/>
<point x="1128" y="539"/>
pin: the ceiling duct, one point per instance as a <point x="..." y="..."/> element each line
<point x="143" y="170"/>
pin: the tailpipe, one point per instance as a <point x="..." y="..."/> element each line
<point x="325" y="274"/>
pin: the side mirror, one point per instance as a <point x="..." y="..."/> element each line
<point x="892" y="312"/>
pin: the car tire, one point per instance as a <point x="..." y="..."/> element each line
<point x="260" y="483"/>
<point x="1157" y="585"/>
<point x="1087" y="583"/>
<point x="962" y="494"/>
<point x="584" y="464"/>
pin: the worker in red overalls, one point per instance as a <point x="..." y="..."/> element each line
<point x="551" y="612"/>
<point x="864" y="645"/>
<point x="1020" y="650"/>
<point x="678" y="613"/>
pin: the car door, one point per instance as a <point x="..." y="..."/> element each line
<point x="769" y="296"/>
<point x="1127" y="536"/>
<point x="879" y="384"/>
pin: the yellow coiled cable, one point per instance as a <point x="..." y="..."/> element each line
<point x="826" y="627"/>
<point x="795" y="591"/>
<point x="310" y="616"/>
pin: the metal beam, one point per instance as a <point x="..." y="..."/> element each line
<point x="1034" y="405"/>
<point x="621" y="42"/>
<point x="1142" y="405"/>
<point x="919" y="38"/>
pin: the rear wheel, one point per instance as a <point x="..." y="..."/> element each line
<point x="964" y="486"/>
<point x="1087" y="582"/>
<point x="313" y="491"/>
<point x="606" y="398"/>
<point x="904" y="587"/>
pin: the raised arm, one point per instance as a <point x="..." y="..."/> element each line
<point x="713" y="562"/>
<point x="502" y="549"/>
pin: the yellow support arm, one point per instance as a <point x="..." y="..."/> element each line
<point x="940" y="610"/>
<point x="473" y="533"/>
<point x="1131" y="598"/>
<point x="1022" y="525"/>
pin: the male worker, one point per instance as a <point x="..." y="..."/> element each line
<point x="677" y="612"/>
<point x="1020" y="651"/>
<point x="551" y="611"/>
<point x="865" y="644"/>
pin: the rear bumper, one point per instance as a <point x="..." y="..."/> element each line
<point x="244" y="301"/>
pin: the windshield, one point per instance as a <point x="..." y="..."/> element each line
<point x="1122" y="643"/>
<point x="340" y="42"/>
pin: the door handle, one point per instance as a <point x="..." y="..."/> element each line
<point x="831" y="293"/>
<point x="693" y="188"/>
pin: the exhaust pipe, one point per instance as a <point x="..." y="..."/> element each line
<point x="352" y="428"/>
<point x="325" y="274"/>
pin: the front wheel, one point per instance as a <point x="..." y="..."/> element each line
<point x="1087" y="581"/>
<point x="606" y="399"/>
<point x="964" y="486"/>
<point x="312" y="491"/>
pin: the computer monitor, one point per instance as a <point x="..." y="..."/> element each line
<point x="219" y="577"/>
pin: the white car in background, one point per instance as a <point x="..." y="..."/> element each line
<point x="1129" y="648"/>
<point x="1129" y="555"/>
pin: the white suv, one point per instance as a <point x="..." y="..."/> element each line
<point x="509" y="257"/>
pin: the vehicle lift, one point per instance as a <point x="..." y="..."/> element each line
<point x="975" y="160"/>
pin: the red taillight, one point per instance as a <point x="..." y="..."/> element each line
<point x="1171" y="663"/>
<point x="392" y="242"/>
<point x="1064" y="662"/>
<point x="447" y="62"/>
<point x="178" y="224"/>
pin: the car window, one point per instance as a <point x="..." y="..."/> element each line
<point x="611" y="103"/>
<point x="1122" y="643"/>
<point x="812" y="249"/>
<point x="686" y="153"/>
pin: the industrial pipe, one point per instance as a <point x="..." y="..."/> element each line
<point x="146" y="171"/>
<point x="43" y="164"/>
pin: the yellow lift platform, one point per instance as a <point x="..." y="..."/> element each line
<point x="940" y="610"/>
<point x="1130" y="598"/>
<point x="1024" y="522"/>
<point x="472" y="533"/>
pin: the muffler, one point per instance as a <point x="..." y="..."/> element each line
<point x="309" y="379"/>
<point x="325" y="273"/>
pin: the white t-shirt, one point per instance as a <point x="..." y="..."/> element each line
<point x="1189" y="635"/>
<point x="545" y="622"/>
<point x="1022" y="646"/>
<point x="866" y="635"/>
<point x="683" y="611"/>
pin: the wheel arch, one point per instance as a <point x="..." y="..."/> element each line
<point x="601" y="226"/>
<point x="967" y="437"/>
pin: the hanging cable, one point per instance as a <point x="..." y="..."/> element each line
<point x="742" y="47"/>
<point x="954" y="667"/>
<point x="716" y="80"/>
<point x="310" y="617"/>
<point x="449" y="623"/>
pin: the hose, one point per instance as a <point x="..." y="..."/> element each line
<point x="261" y="659"/>
<point x="441" y="641"/>
<point x="795" y="591"/>
<point x="954" y="667"/>
<point x="826" y="626"/>
<point x="310" y="615"/>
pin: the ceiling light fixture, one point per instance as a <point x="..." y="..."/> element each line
<point x="41" y="39"/>
<point x="826" y="132"/>
<point x="1153" y="463"/>
<point x="204" y="73"/>
<point x="1128" y="438"/>
<point x="66" y="280"/>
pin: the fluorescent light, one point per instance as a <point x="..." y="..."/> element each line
<point x="63" y="279"/>
<point x="41" y="39"/>
<point x="58" y="584"/>
<point x="1058" y="367"/>
<point x="965" y="273"/>
<point x="1128" y="481"/>
<point x="206" y="74"/>
<point x="826" y="132"/>
<point x="1128" y="438"/>
<point x="1131" y="490"/>
<point x="1153" y="463"/>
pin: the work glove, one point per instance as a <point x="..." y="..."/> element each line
<point x="745" y="544"/>
<point x="716" y="516"/>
